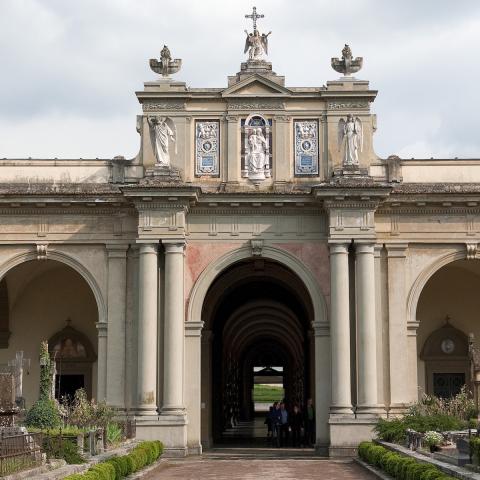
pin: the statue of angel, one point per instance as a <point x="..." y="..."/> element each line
<point x="163" y="130"/>
<point x="256" y="45"/>
<point x="350" y="137"/>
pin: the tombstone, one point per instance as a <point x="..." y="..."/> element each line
<point x="18" y="364"/>
<point x="8" y="408"/>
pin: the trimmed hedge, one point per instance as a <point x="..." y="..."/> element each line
<point x="399" y="466"/>
<point x="117" y="468"/>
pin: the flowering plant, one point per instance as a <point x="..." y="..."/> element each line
<point x="433" y="439"/>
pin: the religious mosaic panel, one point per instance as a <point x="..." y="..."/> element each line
<point x="306" y="147"/>
<point x="256" y="148"/>
<point x="207" y="145"/>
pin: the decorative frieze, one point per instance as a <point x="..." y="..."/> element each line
<point x="207" y="141"/>
<point x="347" y="105"/>
<point x="159" y="106"/>
<point x="249" y="104"/>
<point x="306" y="147"/>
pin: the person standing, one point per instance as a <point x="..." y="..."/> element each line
<point x="309" y="419"/>
<point x="284" y="426"/>
<point x="296" y="424"/>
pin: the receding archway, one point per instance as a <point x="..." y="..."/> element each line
<point x="42" y="295"/>
<point x="257" y="313"/>
<point x="447" y="312"/>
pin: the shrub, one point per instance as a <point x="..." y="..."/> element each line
<point x="113" y="433"/>
<point x="399" y="466"/>
<point x="117" y="468"/>
<point x="43" y="414"/>
<point x="57" y="447"/>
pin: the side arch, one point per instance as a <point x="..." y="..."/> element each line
<point x="68" y="260"/>
<point x="424" y="277"/>
<point x="210" y="273"/>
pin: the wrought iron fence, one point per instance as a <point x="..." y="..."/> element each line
<point x="19" y="452"/>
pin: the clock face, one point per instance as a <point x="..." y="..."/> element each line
<point x="448" y="345"/>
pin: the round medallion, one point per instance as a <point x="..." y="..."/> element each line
<point x="306" y="145"/>
<point x="447" y="346"/>
<point x="207" y="146"/>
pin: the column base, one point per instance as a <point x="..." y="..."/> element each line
<point x="397" y="409"/>
<point x="145" y="411"/>
<point x="370" y="411"/>
<point x="341" y="411"/>
<point x="347" y="433"/>
<point x="176" y="411"/>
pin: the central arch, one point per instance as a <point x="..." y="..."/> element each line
<point x="257" y="311"/>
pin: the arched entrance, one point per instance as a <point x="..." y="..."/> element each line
<point x="447" y="312"/>
<point x="38" y="297"/>
<point x="258" y="315"/>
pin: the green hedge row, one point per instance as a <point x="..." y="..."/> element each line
<point x="475" y="447"/>
<point x="399" y="466"/>
<point x="117" y="468"/>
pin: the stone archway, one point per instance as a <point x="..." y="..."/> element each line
<point x="447" y="312"/>
<point x="42" y="295"/>
<point x="255" y="306"/>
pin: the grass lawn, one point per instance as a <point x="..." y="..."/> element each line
<point x="267" y="393"/>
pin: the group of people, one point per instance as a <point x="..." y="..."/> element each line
<point x="295" y="427"/>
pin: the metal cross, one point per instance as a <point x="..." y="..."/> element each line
<point x="254" y="17"/>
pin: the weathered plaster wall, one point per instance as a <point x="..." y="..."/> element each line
<point x="43" y="295"/>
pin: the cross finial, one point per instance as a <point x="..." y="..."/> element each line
<point x="254" y="16"/>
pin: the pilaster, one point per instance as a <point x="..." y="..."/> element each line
<point x="397" y="327"/>
<point x="102" y="329"/>
<point x="117" y="283"/>
<point x="233" y="149"/>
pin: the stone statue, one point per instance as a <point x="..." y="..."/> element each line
<point x="256" y="154"/>
<point x="166" y="66"/>
<point x="255" y="44"/>
<point x="163" y="129"/>
<point x="347" y="65"/>
<point x="350" y="137"/>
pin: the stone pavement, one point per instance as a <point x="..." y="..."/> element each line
<point x="200" y="468"/>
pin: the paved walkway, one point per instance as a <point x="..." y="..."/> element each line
<point x="205" y="468"/>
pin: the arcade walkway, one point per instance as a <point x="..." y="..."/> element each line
<point x="214" y="467"/>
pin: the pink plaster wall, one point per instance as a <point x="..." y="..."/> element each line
<point x="198" y="256"/>
<point x="313" y="255"/>
<point x="316" y="259"/>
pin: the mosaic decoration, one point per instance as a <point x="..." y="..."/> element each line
<point x="306" y="147"/>
<point x="207" y="136"/>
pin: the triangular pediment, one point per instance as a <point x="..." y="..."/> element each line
<point x="256" y="86"/>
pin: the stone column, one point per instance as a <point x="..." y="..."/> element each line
<point x="207" y="405"/>
<point x="340" y="330"/>
<point x="102" y="328"/>
<point x="412" y="358"/>
<point x="366" y="330"/>
<point x="131" y="323"/>
<point x="193" y="384"/>
<point x="147" y="330"/>
<point x="117" y="283"/>
<point x="322" y="383"/>
<point x="397" y="328"/>
<point x="233" y="149"/>
<point x="174" y="328"/>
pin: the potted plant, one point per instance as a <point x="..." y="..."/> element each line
<point x="433" y="440"/>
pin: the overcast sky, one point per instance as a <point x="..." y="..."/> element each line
<point x="69" y="69"/>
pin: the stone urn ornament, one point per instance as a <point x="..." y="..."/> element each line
<point x="166" y="66"/>
<point x="347" y="64"/>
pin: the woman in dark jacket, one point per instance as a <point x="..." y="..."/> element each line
<point x="296" y="424"/>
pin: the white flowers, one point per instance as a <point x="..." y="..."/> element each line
<point x="433" y="439"/>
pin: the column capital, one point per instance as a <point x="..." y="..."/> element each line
<point x="174" y="246"/>
<point x="102" y="328"/>
<point x="193" y="329"/>
<point x="412" y="328"/>
<point x="338" y="248"/>
<point x="148" y="248"/>
<point x="321" y="329"/>
<point x="398" y="250"/>
<point x="364" y="248"/>
<point x="115" y="250"/>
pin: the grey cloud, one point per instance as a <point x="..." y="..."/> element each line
<point x="81" y="61"/>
